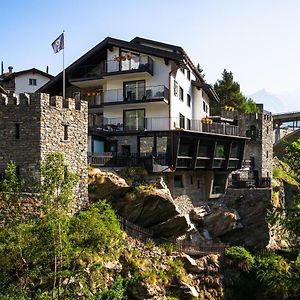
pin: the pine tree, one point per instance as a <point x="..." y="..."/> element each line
<point x="200" y="70"/>
<point x="229" y="91"/>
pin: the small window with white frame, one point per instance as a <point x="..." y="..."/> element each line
<point x="32" y="81"/>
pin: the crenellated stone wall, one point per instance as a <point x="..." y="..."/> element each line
<point x="32" y="125"/>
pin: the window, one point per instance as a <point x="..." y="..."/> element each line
<point x="66" y="133"/>
<point x="181" y="93"/>
<point x="205" y="107"/>
<point x="204" y="149"/>
<point x="161" y="145"/>
<point x="236" y="150"/>
<point x="131" y="61"/>
<point x="188" y="74"/>
<point x="134" y="90"/>
<point x="175" y="88"/>
<point x="188" y="100"/>
<point x="32" y="81"/>
<point x="178" y="181"/>
<point x="219" y="184"/>
<point x="134" y="119"/>
<point x="181" y="121"/>
<point x="182" y="70"/>
<point x="17" y="131"/>
<point x="18" y="171"/>
<point x="188" y="124"/>
<point x="146" y="145"/>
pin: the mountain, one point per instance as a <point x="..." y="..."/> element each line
<point x="271" y="102"/>
<point x="286" y="101"/>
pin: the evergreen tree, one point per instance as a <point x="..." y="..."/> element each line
<point x="229" y="91"/>
<point x="200" y="70"/>
<point x="230" y="94"/>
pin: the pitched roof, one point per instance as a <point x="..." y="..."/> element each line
<point x="8" y="76"/>
<point x="2" y="90"/>
<point x="150" y="47"/>
<point x="207" y="88"/>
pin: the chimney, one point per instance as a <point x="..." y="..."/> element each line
<point x="47" y="69"/>
<point x="2" y="69"/>
<point x="10" y="68"/>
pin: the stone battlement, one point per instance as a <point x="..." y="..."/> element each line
<point x="40" y="99"/>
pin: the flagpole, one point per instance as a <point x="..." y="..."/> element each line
<point x="64" y="73"/>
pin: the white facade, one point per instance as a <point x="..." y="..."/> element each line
<point x="29" y="82"/>
<point x="183" y="102"/>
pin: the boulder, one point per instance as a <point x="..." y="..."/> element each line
<point x="172" y="228"/>
<point x="188" y="291"/>
<point x="221" y="220"/>
<point x="145" y="207"/>
<point x="103" y="185"/>
<point x="197" y="215"/>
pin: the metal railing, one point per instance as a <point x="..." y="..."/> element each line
<point x="146" y="160"/>
<point x="141" y="63"/>
<point x="262" y="182"/>
<point x="255" y="135"/>
<point x="145" y="235"/>
<point x="139" y="94"/>
<point x="153" y="124"/>
<point x="223" y="113"/>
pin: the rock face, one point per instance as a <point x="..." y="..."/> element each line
<point x="147" y="207"/>
<point x="221" y="220"/>
<point x="252" y="207"/>
<point x="238" y="219"/>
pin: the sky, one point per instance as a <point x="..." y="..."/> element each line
<point x="257" y="40"/>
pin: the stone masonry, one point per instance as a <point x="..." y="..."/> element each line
<point x="259" y="149"/>
<point x="32" y="125"/>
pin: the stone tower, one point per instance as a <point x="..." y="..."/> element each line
<point x="32" y="125"/>
<point x="259" y="148"/>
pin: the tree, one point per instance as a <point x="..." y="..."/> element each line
<point x="230" y="94"/>
<point x="200" y="70"/>
<point x="12" y="184"/>
<point x="57" y="255"/>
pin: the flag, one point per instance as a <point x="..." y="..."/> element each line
<point x="58" y="44"/>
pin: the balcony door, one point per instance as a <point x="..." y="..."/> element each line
<point x="134" y="90"/>
<point x="129" y="61"/>
<point x="134" y="119"/>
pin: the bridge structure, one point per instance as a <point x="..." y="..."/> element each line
<point x="293" y="118"/>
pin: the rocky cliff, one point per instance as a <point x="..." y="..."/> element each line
<point x="238" y="218"/>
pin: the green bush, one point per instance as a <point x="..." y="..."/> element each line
<point x="243" y="258"/>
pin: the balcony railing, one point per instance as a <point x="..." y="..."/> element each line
<point x="139" y="94"/>
<point x="141" y="63"/>
<point x="138" y="63"/>
<point x="130" y="160"/>
<point x="158" y="124"/>
<point x="255" y="135"/>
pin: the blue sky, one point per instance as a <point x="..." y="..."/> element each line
<point x="258" y="41"/>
